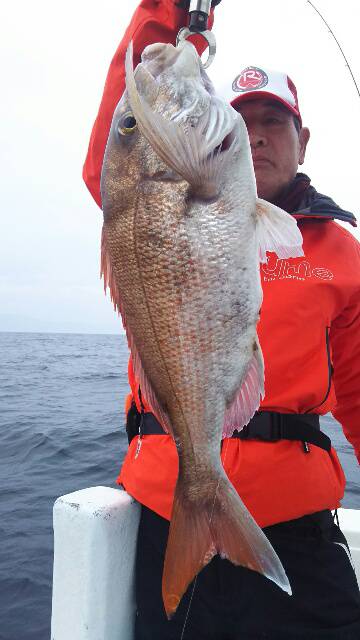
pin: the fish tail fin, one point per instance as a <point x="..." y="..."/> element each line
<point x="198" y="533"/>
<point x="238" y="538"/>
<point x="277" y="231"/>
<point x="189" y="548"/>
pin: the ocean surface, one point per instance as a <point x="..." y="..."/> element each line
<point x="61" y="413"/>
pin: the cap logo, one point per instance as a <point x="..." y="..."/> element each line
<point x="249" y="79"/>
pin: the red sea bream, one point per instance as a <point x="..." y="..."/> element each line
<point x="182" y="239"/>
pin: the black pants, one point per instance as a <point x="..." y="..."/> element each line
<point x="233" y="603"/>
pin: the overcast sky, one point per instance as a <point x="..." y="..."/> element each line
<point x="54" y="59"/>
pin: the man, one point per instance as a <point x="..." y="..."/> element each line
<point x="282" y="466"/>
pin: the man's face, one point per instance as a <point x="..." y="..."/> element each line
<point x="277" y="147"/>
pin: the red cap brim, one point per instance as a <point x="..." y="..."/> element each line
<point x="257" y="95"/>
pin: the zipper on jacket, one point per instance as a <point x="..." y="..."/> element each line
<point x="140" y="434"/>
<point x="330" y="371"/>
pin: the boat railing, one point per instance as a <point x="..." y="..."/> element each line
<point x="95" y="532"/>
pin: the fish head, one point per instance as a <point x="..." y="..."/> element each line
<point x="183" y="89"/>
<point x="179" y="129"/>
<point x="128" y="156"/>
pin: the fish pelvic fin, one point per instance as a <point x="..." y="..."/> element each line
<point x="222" y="525"/>
<point x="277" y="231"/>
<point x="197" y="151"/>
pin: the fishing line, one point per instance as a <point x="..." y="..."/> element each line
<point x="338" y="44"/>
<point x="189" y="607"/>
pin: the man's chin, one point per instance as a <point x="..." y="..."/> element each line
<point x="267" y="192"/>
<point x="267" y="186"/>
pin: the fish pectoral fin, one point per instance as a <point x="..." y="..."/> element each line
<point x="247" y="399"/>
<point x="277" y="231"/>
<point x="189" y="549"/>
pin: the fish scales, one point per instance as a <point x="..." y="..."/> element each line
<point x="183" y="265"/>
<point x="182" y="233"/>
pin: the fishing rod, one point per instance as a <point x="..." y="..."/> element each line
<point x="338" y="44"/>
<point x="199" y="11"/>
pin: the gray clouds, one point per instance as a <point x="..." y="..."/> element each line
<point x="54" y="60"/>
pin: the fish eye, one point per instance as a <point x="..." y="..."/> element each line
<point x="127" y="124"/>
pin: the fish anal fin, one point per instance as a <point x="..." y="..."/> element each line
<point x="277" y="231"/>
<point x="247" y="399"/>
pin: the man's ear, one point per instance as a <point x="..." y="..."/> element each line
<point x="304" y="136"/>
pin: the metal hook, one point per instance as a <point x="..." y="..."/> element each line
<point x="184" y="34"/>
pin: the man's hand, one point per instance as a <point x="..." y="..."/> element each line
<point x="185" y="4"/>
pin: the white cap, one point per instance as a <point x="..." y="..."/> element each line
<point x="254" y="83"/>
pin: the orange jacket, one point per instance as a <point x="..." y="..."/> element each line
<point x="153" y="21"/>
<point x="309" y="332"/>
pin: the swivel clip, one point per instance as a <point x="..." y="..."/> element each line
<point x="199" y="14"/>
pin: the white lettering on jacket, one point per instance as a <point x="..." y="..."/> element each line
<point x="277" y="269"/>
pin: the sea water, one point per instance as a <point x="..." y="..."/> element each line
<point x="62" y="429"/>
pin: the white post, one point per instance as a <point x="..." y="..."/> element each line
<point x="95" y="532"/>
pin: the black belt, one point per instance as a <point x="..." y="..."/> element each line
<point x="268" y="426"/>
<point x="272" y="426"/>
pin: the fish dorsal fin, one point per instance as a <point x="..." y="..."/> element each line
<point x="247" y="399"/>
<point x="277" y="231"/>
<point x="147" y="390"/>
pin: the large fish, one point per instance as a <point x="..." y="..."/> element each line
<point x="182" y="237"/>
